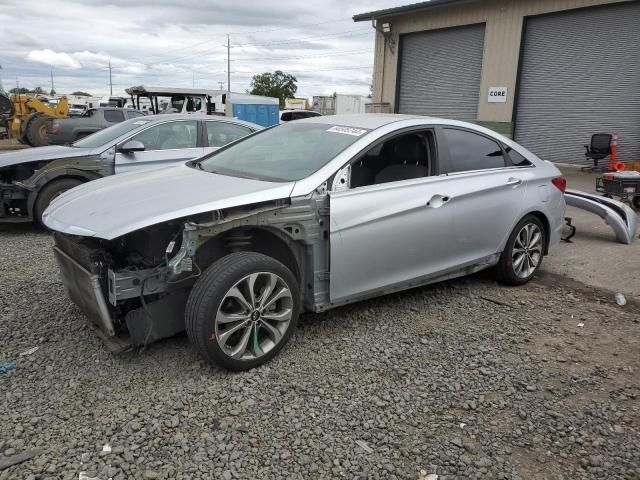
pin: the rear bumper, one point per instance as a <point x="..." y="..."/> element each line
<point x="85" y="290"/>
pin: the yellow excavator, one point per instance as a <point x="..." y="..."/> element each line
<point x="28" y="119"/>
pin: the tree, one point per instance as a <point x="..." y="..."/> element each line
<point x="19" y="91"/>
<point x="52" y="92"/>
<point x="39" y="91"/>
<point x="277" y="84"/>
<point x="81" y="94"/>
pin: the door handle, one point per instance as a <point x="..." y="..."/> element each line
<point x="514" y="182"/>
<point x="437" y="201"/>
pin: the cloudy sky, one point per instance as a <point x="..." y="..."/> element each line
<point x="180" y="43"/>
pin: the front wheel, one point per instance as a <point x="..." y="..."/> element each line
<point x="242" y="310"/>
<point x="522" y="255"/>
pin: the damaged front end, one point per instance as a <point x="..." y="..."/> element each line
<point x="134" y="288"/>
<point x="14" y="195"/>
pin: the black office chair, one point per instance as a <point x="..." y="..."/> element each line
<point x="600" y="148"/>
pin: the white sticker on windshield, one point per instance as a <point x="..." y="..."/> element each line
<point x="141" y="122"/>
<point x="356" y="132"/>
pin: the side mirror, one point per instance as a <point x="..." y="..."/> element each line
<point x="131" y="146"/>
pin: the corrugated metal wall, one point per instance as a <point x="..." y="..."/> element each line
<point x="580" y="75"/>
<point x="440" y="72"/>
<point x="503" y="20"/>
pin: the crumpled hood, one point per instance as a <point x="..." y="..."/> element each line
<point x="119" y="204"/>
<point x="52" y="152"/>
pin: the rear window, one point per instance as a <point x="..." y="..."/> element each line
<point x="517" y="159"/>
<point x="471" y="151"/>
<point x="114" y="116"/>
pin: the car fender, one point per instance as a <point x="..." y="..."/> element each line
<point x="85" y="168"/>
<point x="620" y="217"/>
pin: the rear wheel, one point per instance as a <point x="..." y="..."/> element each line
<point x="50" y="191"/>
<point x="523" y="252"/>
<point x="243" y="310"/>
<point x="37" y="131"/>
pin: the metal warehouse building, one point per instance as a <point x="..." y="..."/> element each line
<point x="549" y="73"/>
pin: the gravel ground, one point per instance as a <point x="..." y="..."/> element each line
<point x="466" y="379"/>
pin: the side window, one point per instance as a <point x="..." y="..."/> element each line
<point x="169" y="135"/>
<point x="470" y="151"/>
<point x="287" y="116"/>
<point x="516" y="159"/>
<point x="221" y="133"/>
<point x="114" y="116"/>
<point x="400" y="158"/>
<point x="134" y="114"/>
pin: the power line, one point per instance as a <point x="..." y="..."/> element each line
<point x="275" y="29"/>
<point x="346" y="33"/>
<point x="341" y="19"/>
<point x="324" y="55"/>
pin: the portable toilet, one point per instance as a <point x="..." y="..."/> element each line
<point x="254" y="108"/>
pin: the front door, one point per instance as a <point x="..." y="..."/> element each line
<point x="393" y="225"/>
<point x="165" y="144"/>
<point x="386" y="235"/>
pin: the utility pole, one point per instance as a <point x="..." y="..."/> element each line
<point x="110" y="81"/>
<point x="228" y="64"/>
<point x="193" y="81"/>
<point x="52" y="81"/>
<point x="221" y="85"/>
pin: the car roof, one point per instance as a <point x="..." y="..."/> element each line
<point x="195" y="116"/>
<point x="369" y="121"/>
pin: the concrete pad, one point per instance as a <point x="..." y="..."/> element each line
<point x="595" y="258"/>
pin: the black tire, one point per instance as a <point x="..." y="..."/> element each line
<point x="504" y="271"/>
<point x="50" y="191"/>
<point x="37" y="131"/>
<point x="208" y="294"/>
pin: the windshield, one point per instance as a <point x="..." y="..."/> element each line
<point x="109" y="134"/>
<point x="284" y="153"/>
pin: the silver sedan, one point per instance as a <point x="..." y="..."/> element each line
<point x="305" y="216"/>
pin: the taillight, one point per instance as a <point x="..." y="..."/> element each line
<point x="560" y="183"/>
<point x="55" y="127"/>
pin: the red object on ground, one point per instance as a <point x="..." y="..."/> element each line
<point x="560" y="183"/>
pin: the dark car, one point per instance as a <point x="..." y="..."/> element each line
<point x="68" y="130"/>
<point x="289" y="115"/>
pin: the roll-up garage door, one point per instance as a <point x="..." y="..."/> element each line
<point x="440" y="72"/>
<point x="580" y="75"/>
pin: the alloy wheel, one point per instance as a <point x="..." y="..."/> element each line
<point x="527" y="250"/>
<point x="253" y="316"/>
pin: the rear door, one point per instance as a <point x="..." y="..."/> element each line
<point x="487" y="193"/>
<point x="165" y="144"/>
<point x="220" y="133"/>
